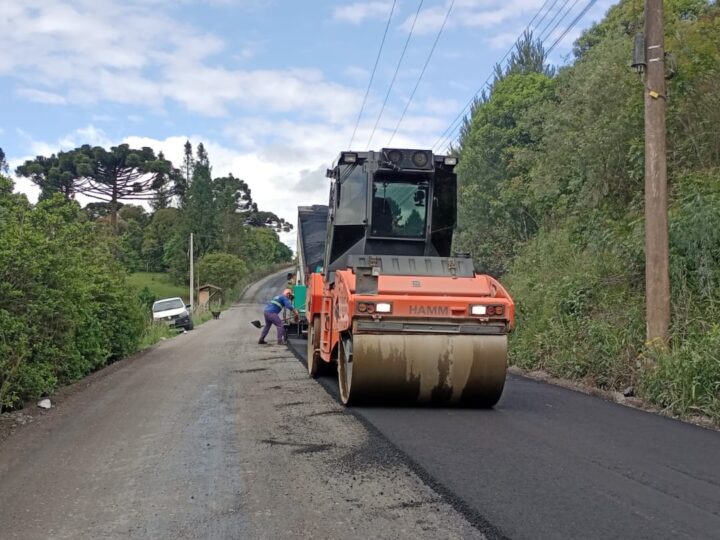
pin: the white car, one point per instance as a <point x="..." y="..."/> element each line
<point x="174" y="312"/>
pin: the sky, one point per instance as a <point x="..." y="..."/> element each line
<point x="273" y="88"/>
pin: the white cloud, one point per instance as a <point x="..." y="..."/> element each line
<point x="484" y="14"/>
<point x="41" y="96"/>
<point x="357" y="12"/>
<point x="78" y="53"/>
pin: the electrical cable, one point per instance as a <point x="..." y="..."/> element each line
<point x="450" y="132"/>
<point x="590" y="4"/>
<point x="397" y="69"/>
<point x="542" y="35"/>
<point x="412" y="94"/>
<point x="552" y="31"/>
<point x="450" y="129"/>
<point x="372" y="76"/>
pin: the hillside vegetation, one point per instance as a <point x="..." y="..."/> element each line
<point x="552" y="201"/>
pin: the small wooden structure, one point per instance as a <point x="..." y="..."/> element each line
<point x="209" y="295"/>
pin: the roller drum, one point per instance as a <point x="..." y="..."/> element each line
<point x="423" y="368"/>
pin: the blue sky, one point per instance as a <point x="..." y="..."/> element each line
<point x="273" y="87"/>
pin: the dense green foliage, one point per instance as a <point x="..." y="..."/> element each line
<point x="64" y="303"/>
<point x="109" y="175"/>
<point x="67" y="306"/>
<point x="551" y="185"/>
<point x="222" y="270"/>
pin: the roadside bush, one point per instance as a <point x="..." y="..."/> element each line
<point x="222" y="270"/>
<point x="577" y="317"/>
<point x="686" y="379"/>
<point x="65" y="307"/>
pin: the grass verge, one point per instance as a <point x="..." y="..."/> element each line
<point x="159" y="284"/>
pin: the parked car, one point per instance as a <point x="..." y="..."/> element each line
<point x="174" y="312"/>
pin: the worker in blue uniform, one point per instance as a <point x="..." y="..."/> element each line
<point x="272" y="316"/>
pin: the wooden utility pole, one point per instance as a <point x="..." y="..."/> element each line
<point x="657" y="279"/>
<point x="192" y="281"/>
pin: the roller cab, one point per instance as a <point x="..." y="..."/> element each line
<point x="403" y="318"/>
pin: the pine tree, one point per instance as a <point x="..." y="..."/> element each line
<point x="3" y="162"/>
<point x="201" y="210"/>
<point x="202" y="157"/>
<point x="182" y="183"/>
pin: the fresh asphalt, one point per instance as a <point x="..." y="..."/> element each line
<point x="548" y="462"/>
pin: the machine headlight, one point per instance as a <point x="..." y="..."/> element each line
<point x="383" y="307"/>
<point x="478" y="310"/>
<point x="420" y="159"/>
<point x="395" y="156"/>
<point x="350" y="157"/>
<point x="451" y="161"/>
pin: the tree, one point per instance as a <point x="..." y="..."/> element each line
<point x="200" y="214"/>
<point x="157" y="238"/>
<point x="3" y="162"/>
<point x="267" y="220"/>
<point x="98" y="211"/>
<point x="494" y="213"/>
<point x="55" y="174"/>
<point x="65" y="306"/>
<point x="232" y="195"/>
<point x="222" y="270"/>
<point x="202" y="157"/>
<point x="182" y="184"/>
<point x="528" y="56"/>
<point x="121" y="173"/>
<point x="164" y="192"/>
<point x="132" y="220"/>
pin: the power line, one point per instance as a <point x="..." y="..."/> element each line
<point x="397" y="69"/>
<point x="432" y="50"/>
<point x="590" y="4"/>
<point x="542" y="35"/>
<point x="552" y="31"/>
<point x="449" y="130"/>
<point x="372" y="76"/>
<point x="549" y="10"/>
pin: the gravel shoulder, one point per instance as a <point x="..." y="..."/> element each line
<point x="210" y="436"/>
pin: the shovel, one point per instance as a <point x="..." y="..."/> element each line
<point x="258" y="324"/>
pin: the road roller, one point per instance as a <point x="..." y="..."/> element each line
<point x="398" y="315"/>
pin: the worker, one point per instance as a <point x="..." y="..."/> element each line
<point x="272" y="316"/>
<point x="290" y="280"/>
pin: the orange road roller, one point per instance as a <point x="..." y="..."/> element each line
<point x="403" y="318"/>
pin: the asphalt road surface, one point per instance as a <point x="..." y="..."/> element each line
<point x="552" y="463"/>
<point x="212" y="436"/>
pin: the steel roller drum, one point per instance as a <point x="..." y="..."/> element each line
<point x="423" y="368"/>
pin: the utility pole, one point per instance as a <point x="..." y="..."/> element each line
<point x="657" y="279"/>
<point x="192" y="281"/>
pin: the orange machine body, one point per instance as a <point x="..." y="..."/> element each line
<point x="411" y="299"/>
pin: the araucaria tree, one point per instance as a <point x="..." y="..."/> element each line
<point x="54" y="174"/>
<point x="122" y="173"/>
